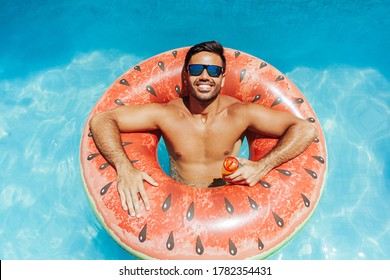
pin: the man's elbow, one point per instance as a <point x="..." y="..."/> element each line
<point x="97" y="120"/>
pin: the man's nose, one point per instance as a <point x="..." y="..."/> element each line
<point x="204" y="74"/>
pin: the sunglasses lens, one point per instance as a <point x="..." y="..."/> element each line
<point x="196" y="69"/>
<point x="214" y="71"/>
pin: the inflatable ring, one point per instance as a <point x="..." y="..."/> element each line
<point x="230" y="222"/>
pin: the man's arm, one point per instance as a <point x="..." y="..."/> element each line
<point x="295" y="136"/>
<point x="106" y="127"/>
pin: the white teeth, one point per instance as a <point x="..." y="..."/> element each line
<point x="204" y="87"/>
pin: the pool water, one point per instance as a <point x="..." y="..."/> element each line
<point x="58" y="58"/>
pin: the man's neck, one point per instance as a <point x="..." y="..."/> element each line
<point x="204" y="109"/>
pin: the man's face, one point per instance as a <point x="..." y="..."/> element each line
<point x="204" y="87"/>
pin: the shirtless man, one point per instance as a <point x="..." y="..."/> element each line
<point x="200" y="131"/>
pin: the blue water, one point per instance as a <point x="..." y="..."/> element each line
<point x="58" y="57"/>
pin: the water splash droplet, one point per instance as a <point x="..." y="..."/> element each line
<point x="242" y="74"/>
<point x="311" y="173"/>
<point x="151" y="90"/>
<point x="305" y="200"/>
<point x="199" y="246"/>
<point x="253" y="203"/>
<point x="170" y="242"/>
<point x="142" y="234"/>
<point x="232" y="248"/>
<point x="167" y="203"/>
<point x="279" y="221"/>
<point x="104" y="190"/>
<point x="229" y="206"/>
<point x="190" y="212"/>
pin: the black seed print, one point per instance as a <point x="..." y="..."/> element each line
<point x="316" y="140"/>
<point x="161" y="65"/>
<point x="104" y="190"/>
<point x="232" y="248"/>
<point x="284" y="172"/>
<point x="279" y="221"/>
<point x="312" y="120"/>
<point x="260" y="244"/>
<point x="257" y="97"/>
<point x="199" y="246"/>
<point x="104" y="166"/>
<point x="174" y="53"/>
<point x="305" y="200"/>
<point x="265" y="184"/>
<point x="142" y="234"/>
<point x="320" y="159"/>
<point x="253" y="203"/>
<point x="298" y="101"/>
<point x="311" y="173"/>
<point x="90" y="134"/>
<point x="138" y="68"/>
<point x="124" y="82"/>
<point x="167" y="204"/>
<point x="277" y="101"/>
<point x="229" y="206"/>
<point x="177" y="89"/>
<point x="236" y="53"/>
<point x="262" y="65"/>
<point x="118" y="102"/>
<point x="92" y="156"/>
<point x="126" y="143"/>
<point x="170" y="242"/>
<point x="190" y="212"/>
<point x="242" y="74"/>
<point x="151" y="90"/>
<point x="279" y="78"/>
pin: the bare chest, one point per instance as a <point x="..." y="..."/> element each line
<point x="194" y="139"/>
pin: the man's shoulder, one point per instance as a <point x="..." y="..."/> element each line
<point x="233" y="103"/>
<point x="236" y="106"/>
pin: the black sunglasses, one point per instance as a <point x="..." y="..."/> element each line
<point x="197" y="69"/>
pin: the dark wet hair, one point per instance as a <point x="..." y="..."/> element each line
<point x="211" y="46"/>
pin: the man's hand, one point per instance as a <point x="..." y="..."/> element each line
<point x="130" y="184"/>
<point x="250" y="173"/>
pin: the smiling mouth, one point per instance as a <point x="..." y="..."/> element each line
<point x="204" y="87"/>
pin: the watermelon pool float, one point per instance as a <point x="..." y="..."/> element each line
<point x="230" y="222"/>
